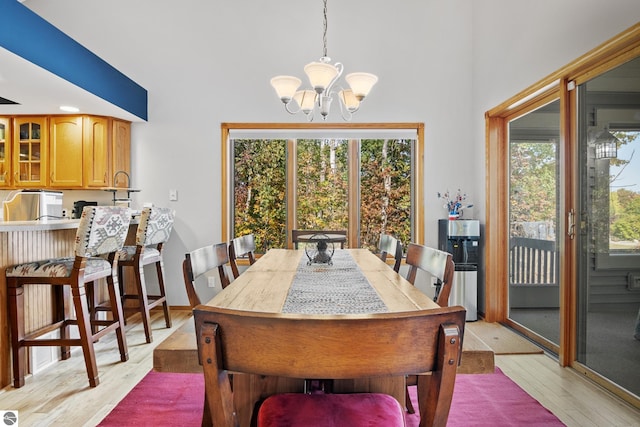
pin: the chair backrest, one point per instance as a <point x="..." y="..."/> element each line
<point x="102" y="230"/>
<point x="155" y="226"/>
<point x="243" y="246"/>
<point x="390" y="245"/>
<point x="339" y="347"/>
<point x="295" y="234"/>
<point x="203" y="260"/>
<point x="435" y="262"/>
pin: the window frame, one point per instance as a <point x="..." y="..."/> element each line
<point x="227" y="168"/>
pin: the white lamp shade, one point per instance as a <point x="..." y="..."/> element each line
<point x="349" y="100"/>
<point x="305" y="99"/>
<point x="285" y="86"/>
<point x="361" y="83"/>
<point x="320" y="75"/>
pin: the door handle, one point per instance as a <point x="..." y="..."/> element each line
<point x="571" y="224"/>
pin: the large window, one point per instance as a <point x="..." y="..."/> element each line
<point x="364" y="181"/>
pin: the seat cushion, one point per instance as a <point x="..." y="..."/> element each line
<point x="127" y="253"/>
<point x="330" y="410"/>
<point x="57" y="267"/>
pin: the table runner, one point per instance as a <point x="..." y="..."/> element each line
<point x="340" y="288"/>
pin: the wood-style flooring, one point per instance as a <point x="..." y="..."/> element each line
<point x="60" y="395"/>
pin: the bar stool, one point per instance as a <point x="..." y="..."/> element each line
<point x="153" y="232"/>
<point x="99" y="239"/>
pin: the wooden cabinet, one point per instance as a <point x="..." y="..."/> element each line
<point x="97" y="152"/>
<point x="5" y="153"/>
<point x="65" y="152"/>
<point x="121" y="149"/>
<point x="29" y="152"/>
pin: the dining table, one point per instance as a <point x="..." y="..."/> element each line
<point x="356" y="282"/>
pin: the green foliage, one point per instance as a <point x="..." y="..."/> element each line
<point x="259" y="191"/>
<point x="625" y="215"/>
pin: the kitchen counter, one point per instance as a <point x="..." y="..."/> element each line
<point x="39" y="225"/>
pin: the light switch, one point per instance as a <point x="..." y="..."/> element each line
<point x="173" y="195"/>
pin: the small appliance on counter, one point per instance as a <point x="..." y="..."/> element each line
<point x="79" y="206"/>
<point x="30" y="205"/>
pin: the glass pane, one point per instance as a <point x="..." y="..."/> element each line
<point x="608" y="314"/>
<point x="322" y="184"/>
<point x="35" y="131"/>
<point x="24" y="131"/>
<point x="260" y="191"/>
<point x="385" y="190"/>
<point x="533" y="259"/>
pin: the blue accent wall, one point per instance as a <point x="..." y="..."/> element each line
<point x="28" y="35"/>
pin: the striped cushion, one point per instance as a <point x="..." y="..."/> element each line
<point x="59" y="267"/>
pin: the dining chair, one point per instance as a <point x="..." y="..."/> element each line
<point x="243" y="246"/>
<point x="440" y="265"/>
<point x="295" y="235"/>
<point x="339" y="347"/>
<point x="99" y="239"/>
<point x="390" y="245"/>
<point x="201" y="261"/>
<point x="154" y="230"/>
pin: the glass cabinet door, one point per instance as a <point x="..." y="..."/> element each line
<point x="5" y="153"/>
<point x="29" y="164"/>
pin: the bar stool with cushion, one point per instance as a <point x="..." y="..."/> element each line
<point x="153" y="232"/>
<point x="241" y="247"/>
<point x="99" y="239"/>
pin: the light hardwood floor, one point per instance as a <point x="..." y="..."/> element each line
<point x="60" y="395"/>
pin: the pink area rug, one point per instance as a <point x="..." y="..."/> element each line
<point x="165" y="399"/>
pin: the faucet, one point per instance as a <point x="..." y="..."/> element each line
<point x="115" y="176"/>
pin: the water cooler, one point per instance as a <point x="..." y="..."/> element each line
<point x="461" y="238"/>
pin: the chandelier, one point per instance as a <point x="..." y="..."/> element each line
<point x="323" y="77"/>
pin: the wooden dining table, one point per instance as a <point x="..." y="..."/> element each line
<point x="282" y="281"/>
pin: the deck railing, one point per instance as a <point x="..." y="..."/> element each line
<point x="532" y="262"/>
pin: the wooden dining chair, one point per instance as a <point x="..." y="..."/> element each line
<point x="99" y="239"/>
<point x="325" y="346"/>
<point x="295" y="235"/>
<point x="390" y="245"/>
<point x="201" y="261"/>
<point x="154" y="230"/>
<point x="438" y="264"/>
<point x="241" y="247"/>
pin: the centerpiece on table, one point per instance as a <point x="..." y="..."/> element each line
<point x="454" y="204"/>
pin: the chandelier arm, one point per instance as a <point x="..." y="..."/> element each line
<point x="286" y="107"/>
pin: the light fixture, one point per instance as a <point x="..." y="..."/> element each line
<point x="323" y="76"/>
<point x="606" y="145"/>
<point x="69" y="108"/>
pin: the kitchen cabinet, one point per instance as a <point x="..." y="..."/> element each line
<point x="121" y="149"/>
<point x="5" y="152"/>
<point x="97" y="152"/>
<point x="29" y="152"/>
<point x="65" y="152"/>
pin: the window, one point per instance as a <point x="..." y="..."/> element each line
<point x="361" y="179"/>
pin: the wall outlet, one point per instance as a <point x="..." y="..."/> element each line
<point x="173" y="195"/>
<point x="211" y="281"/>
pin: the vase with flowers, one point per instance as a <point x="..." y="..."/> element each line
<point x="454" y="204"/>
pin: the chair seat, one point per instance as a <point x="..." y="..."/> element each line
<point x="338" y="410"/>
<point x="149" y="252"/>
<point x="58" y="267"/>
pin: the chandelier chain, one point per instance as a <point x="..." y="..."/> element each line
<point x="324" y="36"/>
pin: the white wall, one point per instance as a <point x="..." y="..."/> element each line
<point x="208" y="62"/>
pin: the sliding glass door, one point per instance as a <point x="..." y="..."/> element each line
<point x="534" y="302"/>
